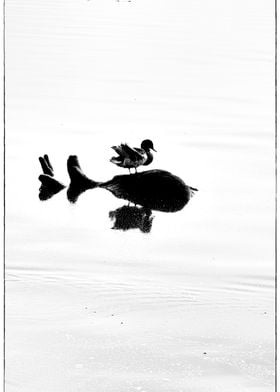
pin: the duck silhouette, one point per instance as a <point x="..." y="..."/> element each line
<point x="133" y="157"/>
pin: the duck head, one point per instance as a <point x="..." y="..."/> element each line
<point x="147" y="145"/>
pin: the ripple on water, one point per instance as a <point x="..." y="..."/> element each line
<point x="243" y="292"/>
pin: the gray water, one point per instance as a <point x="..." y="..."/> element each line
<point x="190" y="305"/>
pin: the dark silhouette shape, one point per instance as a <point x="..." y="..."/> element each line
<point x="129" y="157"/>
<point x="49" y="186"/>
<point x="127" y="217"/>
<point x="46" y="165"/>
<point x="154" y="189"/>
<point x="79" y="181"/>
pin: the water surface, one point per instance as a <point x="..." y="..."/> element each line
<point x="189" y="306"/>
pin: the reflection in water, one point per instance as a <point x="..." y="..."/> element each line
<point x="127" y="217"/>
<point x="152" y="190"/>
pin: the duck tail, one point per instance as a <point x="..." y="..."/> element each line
<point x="115" y="160"/>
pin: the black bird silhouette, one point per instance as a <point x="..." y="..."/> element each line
<point x="130" y="157"/>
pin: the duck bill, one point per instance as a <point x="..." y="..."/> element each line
<point x="154" y="150"/>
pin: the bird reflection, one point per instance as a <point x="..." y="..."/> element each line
<point x="127" y="217"/>
<point x="157" y="190"/>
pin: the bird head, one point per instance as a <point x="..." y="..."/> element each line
<point x="147" y="145"/>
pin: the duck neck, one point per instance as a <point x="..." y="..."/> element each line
<point x="149" y="158"/>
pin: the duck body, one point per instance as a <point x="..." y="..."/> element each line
<point x="133" y="157"/>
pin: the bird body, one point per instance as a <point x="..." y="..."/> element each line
<point x="129" y="157"/>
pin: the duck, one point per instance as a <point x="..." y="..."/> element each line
<point x="133" y="157"/>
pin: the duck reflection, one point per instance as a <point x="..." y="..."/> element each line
<point x="128" y="217"/>
<point x="157" y="190"/>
